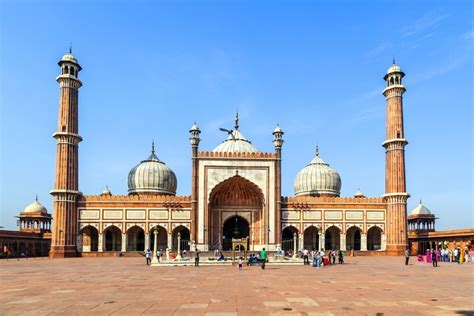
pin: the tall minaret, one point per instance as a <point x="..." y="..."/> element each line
<point x="395" y="185"/>
<point x="66" y="186"/>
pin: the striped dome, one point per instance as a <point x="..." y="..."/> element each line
<point x="317" y="179"/>
<point x="152" y="176"/>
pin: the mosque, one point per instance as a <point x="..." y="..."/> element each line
<point x="235" y="193"/>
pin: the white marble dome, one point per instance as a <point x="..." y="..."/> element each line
<point x="317" y="179"/>
<point x="69" y="57"/>
<point x="152" y="176"/>
<point x="236" y="143"/>
<point x="420" y="209"/>
<point x="35" y="207"/>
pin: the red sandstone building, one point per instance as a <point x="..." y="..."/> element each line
<point x="235" y="193"/>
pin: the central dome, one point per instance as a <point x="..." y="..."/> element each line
<point x="317" y="179"/>
<point x="152" y="176"/>
<point x="236" y="142"/>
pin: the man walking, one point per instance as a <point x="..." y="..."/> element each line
<point x="147" y="256"/>
<point x="305" y="257"/>
<point x="263" y="257"/>
<point x="434" y="259"/>
<point x="407" y="256"/>
<point x="196" y="258"/>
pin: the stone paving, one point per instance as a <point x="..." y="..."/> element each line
<point x="126" y="286"/>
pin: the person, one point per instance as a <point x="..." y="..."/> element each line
<point x="428" y="256"/>
<point x="461" y="257"/>
<point x="158" y="255"/>
<point x="407" y="256"/>
<point x="433" y="258"/>
<point x="341" y="257"/>
<point x="420" y="258"/>
<point x="263" y="257"/>
<point x="305" y="257"/>
<point x="196" y="258"/>
<point x="147" y="256"/>
<point x="321" y="255"/>
<point x="318" y="259"/>
<point x="183" y="253"/>
<point x="333" y="254"/>
<point x="221" y="257"/>
<point x="240" y="263"/>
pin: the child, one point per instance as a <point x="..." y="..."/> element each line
<point x="240" y="263"/>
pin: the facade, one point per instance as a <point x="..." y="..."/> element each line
<point x="423" y="235"/>
<point x="235" y="193"/>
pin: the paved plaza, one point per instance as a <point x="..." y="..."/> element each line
<point x="362" y="286"/>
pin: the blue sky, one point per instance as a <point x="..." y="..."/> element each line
<point x="153" y="68"/>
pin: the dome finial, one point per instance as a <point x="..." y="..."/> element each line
<point x="70" y="48"/>
<point x="236" y="126"/>
<point x="421" y="201"/>
<point x="317" y="150"/>
<point x="153" y="147"/>
<point x="393" y="60"/>
<point x="36" y="198"/>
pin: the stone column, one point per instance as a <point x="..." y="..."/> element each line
<point x="170" y="241"/>
<point x="301" y="242"/>
<point x="363" y="242"/>
<point x="342" y="242"/>
<point x="383" y="245"/>
<point x="124" y="242"/>
<point x="147" y="241"/>
<point x="100" y="246"/>
<point x="321" y="241"/>
<point x="155" y="247"/>
<point x="178" y="256"/>
<point x="295" y="246"/>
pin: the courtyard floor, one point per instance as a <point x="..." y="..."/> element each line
<point x="362" y="286"/>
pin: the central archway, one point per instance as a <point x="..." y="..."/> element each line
<point x="234" y="227"/>
<point x="235" y="201"/>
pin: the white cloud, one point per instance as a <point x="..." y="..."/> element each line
<point x="427" y="22"/>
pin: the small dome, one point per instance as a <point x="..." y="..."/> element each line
<point x="69" y="57"/>
<point x="317" y="179"/>
<point x="359" y="194"/>
<point x="35" y="207"/>
<point x="420" y="210"/>
<point x="393" y="68"/>
<point x="236" y="143"/>
<point x="152" y="176"/>
<point x="194" y="128"/>
<point x="106" y="191"/>
<point x="277" y="129"/>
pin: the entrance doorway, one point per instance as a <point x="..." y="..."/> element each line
<point x="235" y="227"/>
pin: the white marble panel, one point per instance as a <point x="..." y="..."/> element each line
<point x="113" y="214"/>
<point x="89" y="214"/>
<point x="135" y="214"/>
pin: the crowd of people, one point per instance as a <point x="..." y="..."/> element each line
<point x="457" y="255"/>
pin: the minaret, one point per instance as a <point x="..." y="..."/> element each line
<point x="66" y="187"/>
<point x="194" y="140"/>
<point x="395" y="185"/>
<point x="278" y="142"/>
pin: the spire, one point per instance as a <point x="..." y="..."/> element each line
<point x="317" y="150"/>
<point x="70" y="48"/>
<point x="393" y="60"/>
<point x="236" y="126"/>
<point x="421" y="201"/>
<point x="152" y="147"/>
<point x="36" y="198"/>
